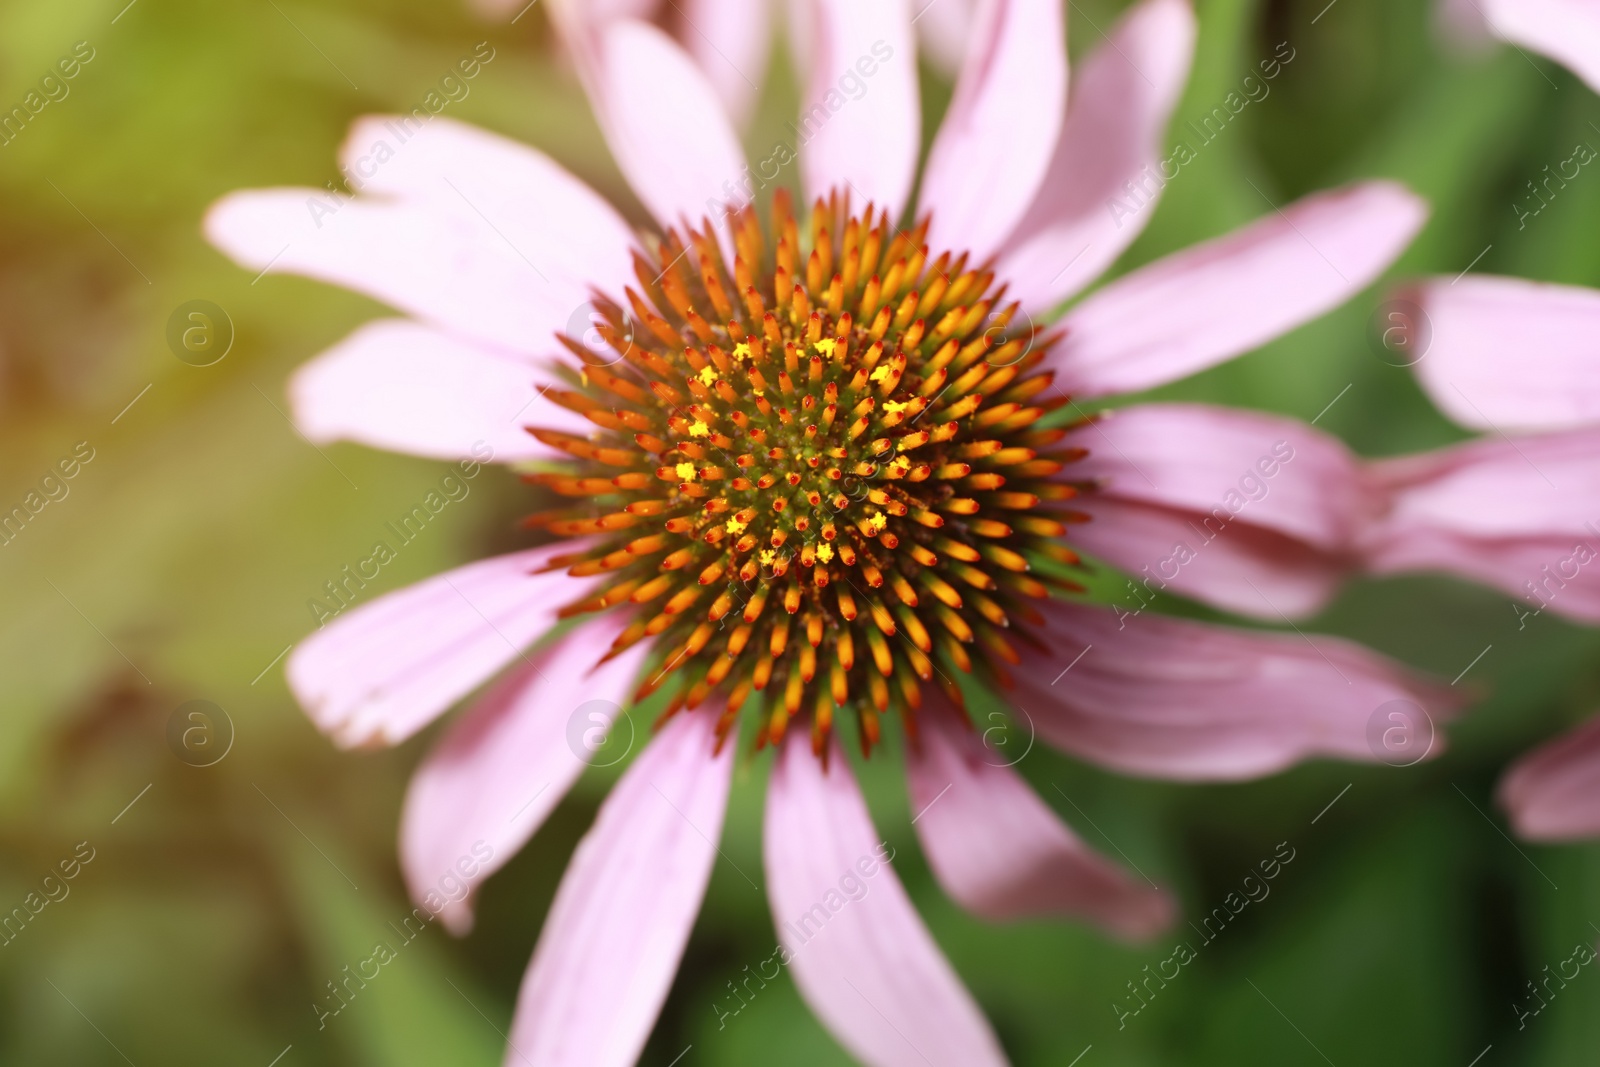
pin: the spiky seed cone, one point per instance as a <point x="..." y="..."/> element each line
<point x="816" y="474"/>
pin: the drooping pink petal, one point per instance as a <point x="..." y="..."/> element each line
<point x="396" y="385"/>
<point x="1238" y="566"/>
<point x="1553" y="792"/>
<point x="502" y="767"/>
<point x="477" y="235"/>
<point x="1121" y="99"/>
<point x="1250" y="512"/>
<point x="1498" y="486"/>
<point x="731" y="40"/>
<point x="1568" y="31"/>
<point x="997" y="138"/>
<point x="999" y="850"/>
<point x="1266" y="469"/>
<point x="1516" y="513"/>
<point x="856" y="947"/>
<point x="622" y="916"/>
<point x="1216" y="300"/>
<point x="1170" y="698"/>
<point x="859" y="126"/>
<point x="1508" y="354"/>
<point x="1540" y="571"/>
<point x="663" y="121"/>
<point x="382" y="671"/>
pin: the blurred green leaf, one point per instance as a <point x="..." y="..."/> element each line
<point x="392" y="994"/>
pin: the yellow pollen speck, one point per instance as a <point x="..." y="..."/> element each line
<point x="880" y="374"/>
<point x="735" y="526"/>
<point x="759" y="392"/>
<point x="900" y="463"/>
<point x="876" y="522"/>
<point x="826" y="347"/>
<point x="707" y="376"/>
<point x="685" y="471"/>
<point x="767" y="556"/>
<point x="894" y="407"/>
<point x="824" y="552"/>
<point x="741" y="351"/>
<point x="698" y="429"/>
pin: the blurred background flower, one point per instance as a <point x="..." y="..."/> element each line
<point x="225" y="894"/>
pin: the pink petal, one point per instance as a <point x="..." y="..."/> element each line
<point x="1544" y="484"/>
<point x="599" y="11"/>
<point x="663" y="121"/>
<point x="1211" y="302"/>
<point x="1269" y="470"/>
<point x="1568" y="31"/>
<point x="1250" y="512"/>
<point x="862" y="142"/>
<point x="1550" y="571"/>
<point x="382" y="671"/>
<point x="855" y="946"/>
<point x="502" y="767"/>
<point x="997" y="138"/>
<point x="731" y="40"/>
<point x="1553" y="793"/>
<point x="1464" y="26"/>
<point x="1121" y="100"/>
<point x="394" y="384"/>
<point x="943" y="29"/>
<point x="1239" y="567"/>
<point x="622" y="916"/>
<point x="1511" y="354"/>
<point x="1170" y="698"/>
<point x="480" y="236"/>
<point x="999" y="850"/>
<point x="534" y="205"/>
<point x="1514" y="513"/>
<point x="618" y="9"/>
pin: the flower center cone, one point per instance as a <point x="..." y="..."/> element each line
<point x="819" y="473"/>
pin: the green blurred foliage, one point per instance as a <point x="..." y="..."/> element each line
<point x="221" y="902"/>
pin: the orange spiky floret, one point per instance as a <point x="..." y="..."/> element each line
<point x="815" y="470"/>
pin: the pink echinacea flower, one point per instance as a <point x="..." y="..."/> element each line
<point x="800" y="476"/>
<point x="1521" y="360"/>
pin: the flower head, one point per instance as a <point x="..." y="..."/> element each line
<point x="880" y="502"/>
<point x="899" y="435"/>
